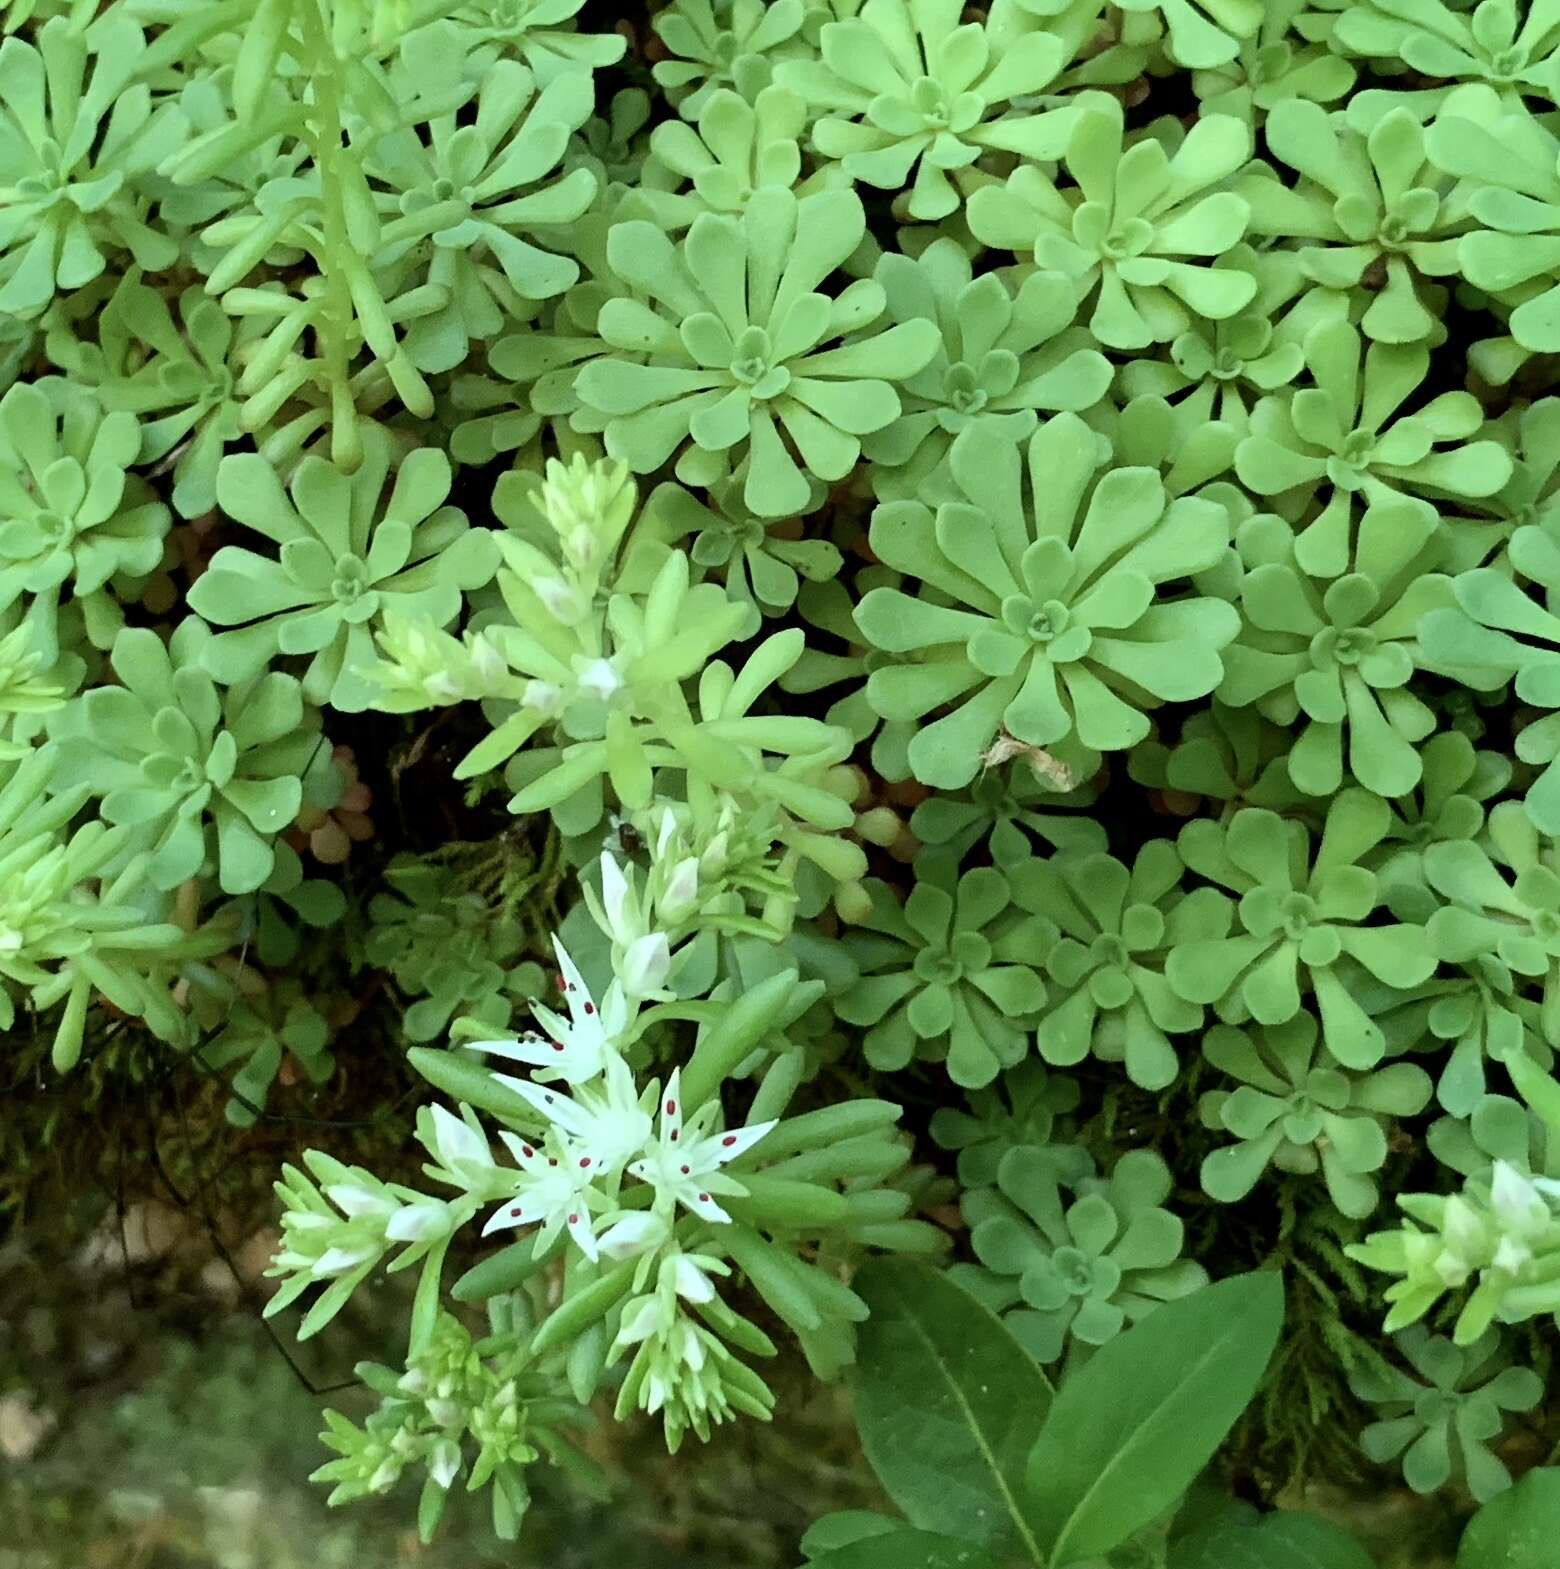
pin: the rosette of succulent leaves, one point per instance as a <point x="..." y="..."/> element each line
<point x="997" y="557"/>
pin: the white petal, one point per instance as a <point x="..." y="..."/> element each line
<point x="521" y="1149"/>
<point x="641" y="1319"/>
<point x="704" y="1206"/>
<point x="1516" y="1202"/>
<point x="444" y="1463"/>
<point x="1511" y="1256"/>
<point x="580" y="1229"/>
<point x="507" y="1216"/>
<point x="672" y="1109"/>
<point x="737" y="1141"/>
<point x="528" y="1048"/>
<point x="554" y="1105"/>
<point x="614" y="895"/>
<point x="682" y="887"/>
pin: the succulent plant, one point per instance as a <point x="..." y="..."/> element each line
<point x="1334" y="658"/>
<point x="1007" y="352"/>
<point x="1076" y="1273"/>
<point x="1110" y="998"/>
<point x="907" y="85"/>
<point x="1304" y="916"/>
<point x="1439" y="1419"/>
<point x="1057" y="632"/>
<point x="347" y="558"/>
<point x="1338" y="440"/>
<point x="739" y="337"/>
<point x="79" y="147"/>
<point x="72" y="518"/>
<point x="193" y="770"/>
<point x="1296" y="1109"/>
<point x="1138" y="229"/>
<point x="951" y="974"/>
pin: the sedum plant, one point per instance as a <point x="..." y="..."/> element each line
<point x="1495" y="632"/>
<point x="1302" y="925"/>
<point x="1116" y="921"/>
<point x="1293" y="1108"/>
<point x="1074" y="1274"/>
<point x="1057" y="634"/>
<point x="1334" y="659"/>
<point x="1362" y="202"/>
<point x="1124" y="230"/>
<point x="72" y="516"/>
<point x="81" y="140"/>
<point x="1441" y="1421"/>
<point x="1005" y="354"/>
<point x="998" y="560"/>
<point x="905" y="95"/>
<point x="190" y="769"/>
<point x="347" y="558"/>
<point x="1339" y="440"/>
<point x="736" y="349"/>
<point x="951" y="974"/>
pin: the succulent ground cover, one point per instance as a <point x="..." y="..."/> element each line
<point x="735" y="677"/>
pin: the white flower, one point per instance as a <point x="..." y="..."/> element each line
<point x="680" y="1169"/>
<point x="1464" y="1234"/>
<point x="576" y="1049"/>
<point x="615" y="897"/>
<point x="554" y="1193"/>
<point x="603" y="1126"/>
<point x="487" y="664"/>
<point x="562" y="601"/>
<point x="643" y="956"/>
<point x="690" y="1275"/>
<point x="1511" y="1256"/>
<point x="681" y="895"/>
<point x="641" y="1319"/>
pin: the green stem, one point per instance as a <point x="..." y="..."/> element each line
<point x="336" y="322"/>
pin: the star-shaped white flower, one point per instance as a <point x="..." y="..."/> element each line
<point x="554" y="1193"/>
<point x="602" y="1124"/>
<point x="683" y="1164"/>
<point x="575" y="1049"/>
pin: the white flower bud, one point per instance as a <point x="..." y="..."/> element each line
<point x="353" y="1201"/>
<point x="444" y="1463"/>
<point x="543" y="696"/>
<point x="454" y="1141"/>
<point x="641" y="1232"/>
<point x="339" y="1261"/>
<point x="600" y="680"/>
<point x="646" y="965"/>
<point x="418" y="1222"/>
